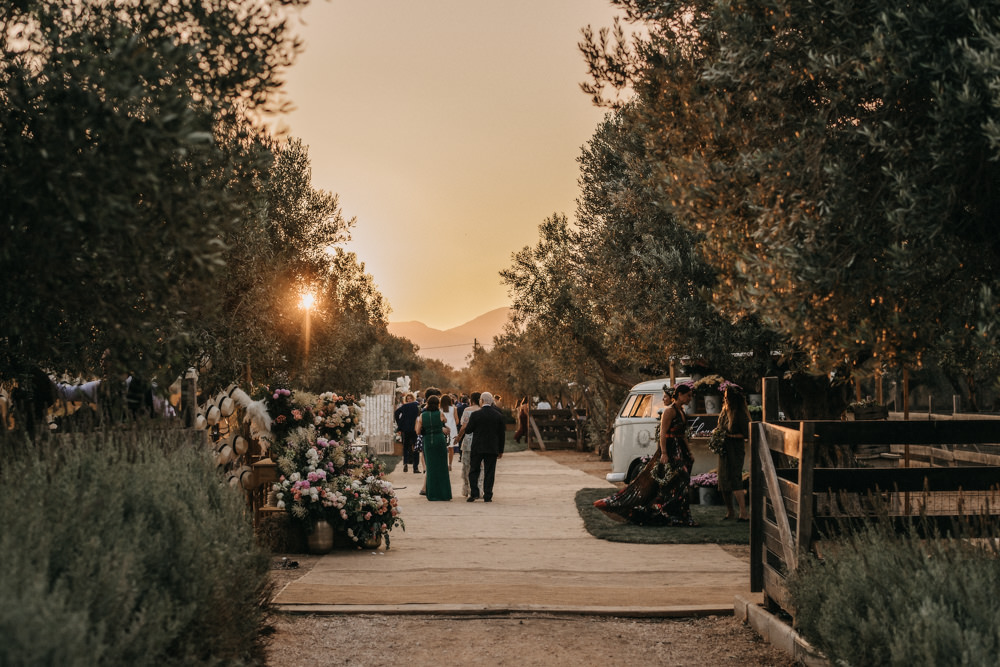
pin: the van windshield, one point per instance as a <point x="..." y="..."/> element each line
<point x="637" y="405"/>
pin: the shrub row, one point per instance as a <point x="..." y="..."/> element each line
<point x="125" y="548"/>
<point x="882" y="598"/>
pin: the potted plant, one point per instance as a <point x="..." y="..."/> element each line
<point x="710" y="389"/>
<point x="707" y="484"/>
<point x="868" y="409"/>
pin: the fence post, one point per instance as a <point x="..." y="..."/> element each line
<point x="756" y="512"/>
<point x="807" y="458"/>
<point x="769" y="388"/>
<point x="189" y="398"/>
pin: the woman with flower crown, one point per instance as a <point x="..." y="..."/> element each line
<point x="659" y="495"/>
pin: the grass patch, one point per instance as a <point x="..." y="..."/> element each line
<point x="713" y="530"/>
<point x="390" y="462"/>
<point x="509" y="446"/>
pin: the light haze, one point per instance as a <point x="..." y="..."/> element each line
<point x="450" y="129"/>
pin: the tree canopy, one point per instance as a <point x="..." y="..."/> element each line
<point x="110" y="171"/>
<point x="837" y="159"/>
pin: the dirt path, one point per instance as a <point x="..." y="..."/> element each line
<point x="513" y="638"/>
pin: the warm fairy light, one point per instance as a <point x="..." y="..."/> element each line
<point x="308" y="299"/>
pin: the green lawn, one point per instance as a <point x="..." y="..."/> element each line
<point x="713" y="530"/>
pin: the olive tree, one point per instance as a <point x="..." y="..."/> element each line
<point x="839" y="160"/>
<point x="112" y="176"/>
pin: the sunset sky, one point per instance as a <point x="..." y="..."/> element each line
<point x="450" y="129"/>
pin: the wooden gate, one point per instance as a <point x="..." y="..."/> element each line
<point x="807" y="477"/>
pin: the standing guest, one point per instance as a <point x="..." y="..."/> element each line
<point x="488" y="433"/>
<point x="461" y="405"/>
<point x="660" y="494"/>
<point x="406" y="420"/>
<point x="735" y="419"/>
<point x="437" y="454"/>
<point x="522" y="419"/>
<point x="450" y="416"/>
<point x="465" y="453"/>
<point x="544" y="404"/>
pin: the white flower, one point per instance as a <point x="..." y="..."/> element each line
<point x="281" y="504"/>
<point x="294" y="477"/>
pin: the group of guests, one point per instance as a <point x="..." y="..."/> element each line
<point x="659" y="495"/>
<point x="475" y="431"/>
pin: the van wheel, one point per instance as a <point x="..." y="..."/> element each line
<point x="633" y="471"/>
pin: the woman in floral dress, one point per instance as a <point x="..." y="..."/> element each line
<point x="437" y="453"/>
<point x="659" y="495"/>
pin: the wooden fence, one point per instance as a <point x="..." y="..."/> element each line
<point x="556" y="429"/>
<point x="806" y="478"/>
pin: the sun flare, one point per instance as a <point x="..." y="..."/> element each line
<point x="307" y="301"/>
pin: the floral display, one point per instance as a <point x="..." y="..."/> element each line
<point x="706" y="479"/>
<point x="323" y="475"/>
<point x="717" y="440"/>
<point x="709" y="385"/>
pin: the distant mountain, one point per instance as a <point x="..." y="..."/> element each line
<point x="452" y="346"/>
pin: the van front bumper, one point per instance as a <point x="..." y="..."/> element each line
<point x="614" y="477"/>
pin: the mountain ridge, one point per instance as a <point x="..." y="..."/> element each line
<point x="452" y="346"/>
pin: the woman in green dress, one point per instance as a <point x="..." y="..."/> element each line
<point x="437" y="453"/>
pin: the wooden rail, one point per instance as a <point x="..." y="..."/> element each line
<point x="556" y="429"/>
<point x="946" y="469"/>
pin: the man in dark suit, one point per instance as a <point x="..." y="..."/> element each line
<point x="488" y="433"/>
<point x="406" y="416"/>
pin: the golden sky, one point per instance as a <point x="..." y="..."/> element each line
<point x="450" y="129"/>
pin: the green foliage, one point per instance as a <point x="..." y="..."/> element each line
<point x="125" y="548"/>
<point x="838" y="160"/>
<point x="289" y="245"/>
<point x="113" y="184"/>
<point x="878" y="598"/>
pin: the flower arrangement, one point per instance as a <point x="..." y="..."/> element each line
<point x="370" y="507"/>
<point x="866" y="402"/>
<point x="706" y="479"/>
<point x="338" y="417"/>
<point x="717" y="440"/>
<point x="709" y="385"/>
<point x="323" y="476"/>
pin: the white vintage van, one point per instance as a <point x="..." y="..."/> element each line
<point x="635" y="430"/>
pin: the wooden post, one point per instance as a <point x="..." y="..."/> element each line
<point x="906" y="393"/>
<point x="878" y="387"/>
<point x="189" y="398"/>
<point x="757" y="555"/>
<point x="770" y="395"/>
<point x="807" y="457"/>
<point x="673" y="373"/>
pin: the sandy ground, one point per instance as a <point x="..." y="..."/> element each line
<point x="512" y="638"/>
